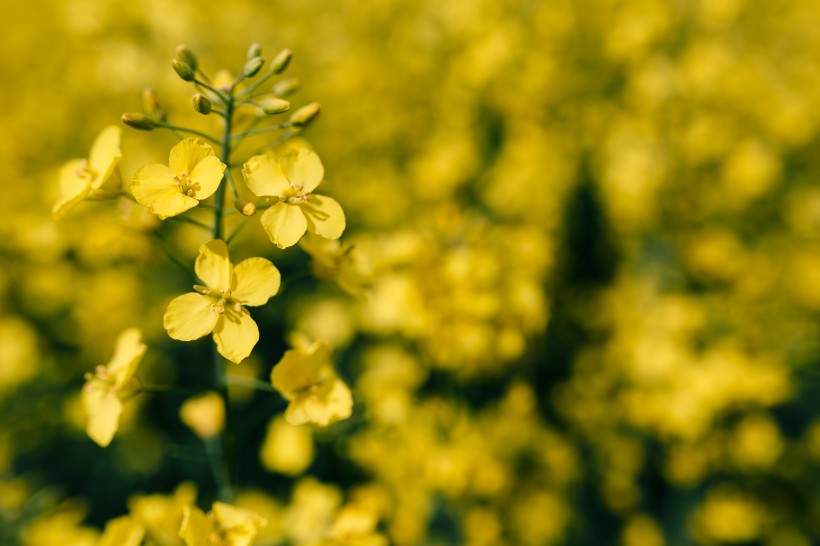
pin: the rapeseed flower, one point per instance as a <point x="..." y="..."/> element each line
<point x="193" y="174"/>
<point x="225" y="525"/>
<point x="219" y="306"/>
<point x="97" y="177"/>
<point x="107" y="388"/>
<point x="287" y="177"/>
<point x="307" y="379"/>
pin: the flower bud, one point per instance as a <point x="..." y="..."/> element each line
<point x="281" y="61"/>
<point x="186" y="56"/>
<point x="254" y="51"/>
<point x="274" y="105"/>
<point x="138" y="121"/>
<point x="183" y="70"/>
<point x="150" y="103"/>
<point x="286" y="87"/>
<point x="245" y="207"/>
<point x="306" y="114"/>
<point x="252" y="67"/>
<point x="202" y="104"/>
<point x="204" y="414"/>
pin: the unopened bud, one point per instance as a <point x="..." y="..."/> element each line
<point x="186" y="56"/>
<point x="150" y="103"/>
<point x="281" y="61"/>
<point x="138" y="121"/>
<point x="274" y="105"/>
<point x="245" y="207"/>
<point x="202" y="104"/>
<point x="286" y="87"/>
<point x="252" y="67"/>
<point x="306" y="114"/>
<point x="183" y="70"/>
<point x="254" y="51"/>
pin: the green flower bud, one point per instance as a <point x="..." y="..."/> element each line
<point x="183" y="70"/>
<point x="245" y="207"/>
<point x="252" y="67"/>
<point x="274" y="105"/>
<point x="281" y="61"/>
<point x="305" y="115"/>
<point x="186" y="56"/>
<point x="150" y="103"/>
<point x="138" y="121"/>
<point x="254" y="51"/>
<point x="202" y="104"/>
<point x="286" y="87"/>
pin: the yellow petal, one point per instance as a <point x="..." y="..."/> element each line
<point x="103" y="408"/>
<point x="153" y="187"/>
<point x="336" y="405"/>
<point x="208" y="174"/>
<point x="189" y="317"/>
<point x="264" y="177"/>
<point x="255" y="281"/>
<point x="73" y="188"/>
<point x="325" y="216"/>
<point x="105" y="154"/>
<point x="196" y="528"/>
<point x="238" y="525"/>
<point x="235" y="335"/>
<point x="284" y="224"/>
<point x="187" y="154"/>
<point x="213" y="265"/>
<point x="302" y="166"/>
<point x="122" y="531"/>
<point x="127" y="356"/>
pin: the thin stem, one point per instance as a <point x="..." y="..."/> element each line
<point x="256" y="384"/>
<point x="168" y="251"/>
<point x="262" y="131"/>
<point x="232" y="183"/>
<point x="222" y="96"/>
<point x="157" y="389"/>
<point x="174" y="128"/>
<point x="191" y="221"/>
<point x="236" y="231"/>
<point x="255" y="85"/>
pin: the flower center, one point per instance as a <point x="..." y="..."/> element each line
<point x="294" y="195"/>
<point x="223" y="300"/>
<point x="185" y="184"/>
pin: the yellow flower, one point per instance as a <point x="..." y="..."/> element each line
<point x="306" y="377"/>
<point x="194" y="174"/>
<point x="97" y="177"/>
<point x="219" y="306"/>
<point x="225" y="525"/>
<point x="340" y="262"/>
<point x="288" y="177"/>
<point x="122" y="531"/>
<point x="204" y="414"/>
<point x="109" y="385"/>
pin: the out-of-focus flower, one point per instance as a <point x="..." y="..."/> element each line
<point x="288" y="177"/>
<point x="97" y="177"/>
<point x="193" y="174"/>
<point x="162" y="515"/>
<point x="225" y="525"/>
<point x="287" y="448"/>
<point x="109" y="385"/>
<point x="204" y="414"/>
<point x="219" y="306"/>
<point x="340" y="262"/>
<point x="307" y="379"/>
<point x="122" y="531"/>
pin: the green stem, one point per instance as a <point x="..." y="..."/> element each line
<point x="191" y="221"/>
<point x="262" y="131"/>
<point x="192" y="131"/>
<point x="256" y="384"/>
<point x="255" y="85"/>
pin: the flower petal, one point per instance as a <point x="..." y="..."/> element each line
<point x="335" y="405"/>
<point x="105" y="154"/>
<point x="255" y="281"/>
<point x="127" y="356"/>
<point x="122" y="531"/>
<point x="302" y="166"/>
<point x="153" y="187"/>
<point x="103" y="408"/>
<point x="189" y="317"/>
<point x="73" y="188"/>
<point x="325" y="216"/>
<point x="213" y="265"/>
<point x="284" y="224"/>
<point x="187" y="154"/>
<point x="264" y="176"/>
<point x="208" y="174"/>
<point x="235" y="335"/>
<point x="196" y="529"/>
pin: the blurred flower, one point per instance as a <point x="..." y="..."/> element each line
<point x="122" y="531"/>
<point x="97" y="177"/>
<point x="219" y="306"/>
<point x="287" y="448"/>
<point x="204" y="414"/>
<point x="225" y="525"/>
<point x="194" y="174"/>
<point x="107" y="388"/>
<point x="288" y="176"/>
<point x="305" y="376"/>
